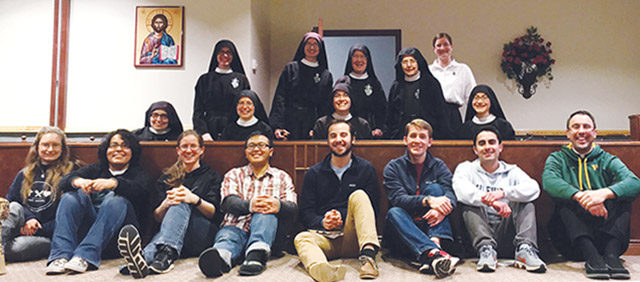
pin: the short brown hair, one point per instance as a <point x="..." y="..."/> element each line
<point x="441" y="35"/>
<point x="419" y="123"/>
<point x="582" y="112"/>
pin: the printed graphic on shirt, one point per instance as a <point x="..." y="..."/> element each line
<point x="40" y="197"/>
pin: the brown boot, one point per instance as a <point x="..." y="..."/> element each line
<point x="368" y="268"/>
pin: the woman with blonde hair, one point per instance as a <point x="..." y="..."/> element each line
<point x="187" y="198"/>
<point x="34" y="197"/>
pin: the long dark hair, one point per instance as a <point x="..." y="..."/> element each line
<point x="129" y="139"/>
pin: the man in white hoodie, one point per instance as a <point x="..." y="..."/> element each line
<point x="497" y="205"/>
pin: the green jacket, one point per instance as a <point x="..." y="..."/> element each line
<point x="566" y="173"/>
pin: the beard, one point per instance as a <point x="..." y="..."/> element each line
<point x="346" y="151"/>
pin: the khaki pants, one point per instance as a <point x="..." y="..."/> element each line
<point x="359" y="230"/>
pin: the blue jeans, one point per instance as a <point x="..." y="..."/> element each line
<point x="183" y="227"/>
<point x="77" y="219"/>
<point x="401" y="232"/>
<point x="262" y="232"/>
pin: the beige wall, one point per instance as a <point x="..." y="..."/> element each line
<point x="594" y="43"/>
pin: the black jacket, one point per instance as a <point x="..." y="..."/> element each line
<point x="323" y="191"/>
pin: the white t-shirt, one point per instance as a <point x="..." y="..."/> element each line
<point x="456" y="80"/>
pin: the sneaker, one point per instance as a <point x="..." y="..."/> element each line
<point x="77" y="264"/>
<point x="439" y="263"/>
<point x="488" y="260"/>
<point x="56" y="266"/>
<point x="211" y="263"/>
<point x="615" y="267"/>
<point x="368" y="268"/>
<point x="163" y="261"/>
<point x="596" y="272"/>
<point x="325" y="272"/>
<point x="131" y="250"/>
<point x="527" y="258"/>
<point x="254" y="264"/>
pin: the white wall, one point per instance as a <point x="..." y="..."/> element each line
<point x="594" y="44"/>
<point x="26" y="40"/>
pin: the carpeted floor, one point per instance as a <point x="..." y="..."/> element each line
<point x="289" y="269"/>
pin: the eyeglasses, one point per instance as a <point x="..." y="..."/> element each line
<point x="261" y="145"/>
<point x="185" y="147"/>
<point x="161" y="116"/>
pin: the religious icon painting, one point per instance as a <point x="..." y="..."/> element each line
<point x="159" y="36"/>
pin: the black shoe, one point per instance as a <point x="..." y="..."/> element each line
<point x="600" y="272"/>
<point x="254" y="264"/>
<point x="131" y="250"/>
<point x="163" y="261"/>
<point x="211" y="263"/>
<point x="615" y="268"/>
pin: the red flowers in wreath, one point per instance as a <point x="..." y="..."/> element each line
<point x="525" y="59"/>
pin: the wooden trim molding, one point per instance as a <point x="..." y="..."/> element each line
<point x="57" y="110"/>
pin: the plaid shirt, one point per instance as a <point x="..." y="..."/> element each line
<point x="242" y="182"/>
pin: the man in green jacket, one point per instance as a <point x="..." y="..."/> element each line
<point x="592" y="191"/>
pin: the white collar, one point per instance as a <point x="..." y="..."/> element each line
<point x="159" y="132"/>
<point x="310" y="64"/>
<point x="412" y="78"/>
<point x="341" y="117"/>
<point x="221" y="71"/>
<point x="118" y="172"/>
<point x="363" y="76"/>
<point x="247" y="123"/>
<point x="486" y="120"/>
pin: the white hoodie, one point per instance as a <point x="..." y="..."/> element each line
<point x="471" y="182"/>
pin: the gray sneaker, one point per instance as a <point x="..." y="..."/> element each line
<point x="488" y="260"/>
<point x="527" y="257"/>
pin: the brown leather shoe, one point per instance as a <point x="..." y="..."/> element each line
<point x="368" y="268"/>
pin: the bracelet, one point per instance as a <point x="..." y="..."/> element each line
<point x="197" y="204"/>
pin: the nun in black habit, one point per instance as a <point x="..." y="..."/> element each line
<point x="416" y="94"/>
<point x="342" y="103"/>
<point x="303" y="91"/>
<point x="483" y="109"/>
<point x="216" y="91"/>
<point x="161" y="123"/>
<point x="367" y="96"/>
<point x="247" y="122"/>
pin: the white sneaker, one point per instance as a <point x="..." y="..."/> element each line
<point x="56" y="266"/>
<point x="77" y="264"/>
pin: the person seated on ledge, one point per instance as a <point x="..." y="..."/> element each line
<point x="303" y="91"/>
<point x="161" y="123"/>
<point x="483" y="109"/>
<point x="187" y="198"/>
<point x="342" y="106"/>
<point x="498" y="205"/>
<point x="34" y="196"/>
<point x="257" y="198"/>
<point x="592" y="192"/>
<point x="98" y="200"/>
<point x="339" y="198"/>
<point x="367" y="95"/>
<point x="247" y="122"/>
<point x="416" y="93"/>
<point x="419" y="189"/>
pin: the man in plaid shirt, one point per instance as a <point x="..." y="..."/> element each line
<point x="255" y="197"/>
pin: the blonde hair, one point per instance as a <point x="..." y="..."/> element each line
<point x="176" y="172"/>
<point x="419" y="124"/>
<point x="57" y="169"/>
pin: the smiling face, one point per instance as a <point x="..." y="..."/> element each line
<point x="311" y="49"/>
<point x="417" y="141"/>
<point x="258" y="151"/>
<point x="341" y="102"/>
<point x="359" y="62"/>
<point x="487" y="147"/>
<point x="340" y="139"/>
<point x="224" y="57"/>
<point x="190" y="150"/>
<point x="409" y="66"/>
<point x="245" y="108"/>
<point x="443" y="48"/>
<point x="118" y="153"/>
<point x="49" y="148"/>
<point x="581" y="133"/>
<point x="481" y="104"/>
<point x="159" y="119"/>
